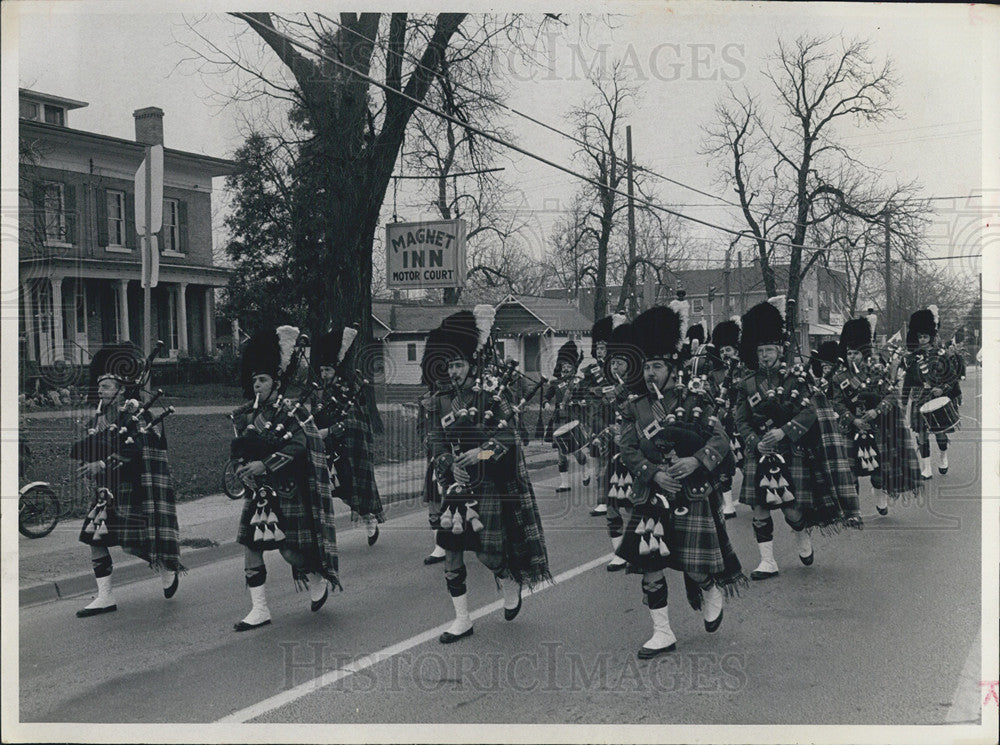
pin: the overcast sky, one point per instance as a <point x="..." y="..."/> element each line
<point x="682" y="55"/>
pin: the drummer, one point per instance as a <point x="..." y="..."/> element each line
<point x="561" y="395"/>
<point x="928" y="378"/>
<point x="692" y="538"/>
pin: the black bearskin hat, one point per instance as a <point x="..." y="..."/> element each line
<point x="762" y="324"/>
<point x="657" y="334"/>
<point x="601" y="331"/>
<point x="829" y="352"/>
<point x="921" y="322"/>
<point x="457" y="338"/>
<point x="856" y="334"/>
<point x="122" y="362"/>
<point x="269" y="353"/>
<point x="331" y="349"/>
<point x="622" y="345"/>
<point x="567" y="353"/>
<point x="726" y="334"/>
<point x="697" y="331"/>
<point x="434" y="362"/>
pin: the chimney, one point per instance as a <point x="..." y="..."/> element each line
<point x="149" y="125"/>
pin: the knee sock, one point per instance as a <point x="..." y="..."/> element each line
<point x="655" y="591"/>
<point x="255" y="576"/>
<point x="797" y="525"/>
<point x="763" y="529"/>
<point x="102" y="566"/>
<point x="455" y="579"/>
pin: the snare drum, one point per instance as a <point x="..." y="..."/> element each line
<point x="941" y="415"/>
<point x="570" y="437"/>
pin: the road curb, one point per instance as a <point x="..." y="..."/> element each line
<point x="63" y="588"/>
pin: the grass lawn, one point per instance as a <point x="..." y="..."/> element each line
<point x="198" y="447"/>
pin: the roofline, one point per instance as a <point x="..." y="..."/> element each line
<point x="510" y="298"/>
<point x="69" y="103"/>
<point x="223" y="166"/>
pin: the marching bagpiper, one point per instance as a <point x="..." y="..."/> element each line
<point x="675" y="448"/>
<point x="288" y="504"/>
<point x="824" y="362"/>
<point x="562" y="395"/>
<point x="347" y="434"/>
<point x="434" y="375"/>
<point x="930" y="387"/>
<point x="725" y="344"/>
<point x="795" y="458"/>
<point x="488" y="506"/>
<point x="864" y="397"/>
<point x="126" y="456"/>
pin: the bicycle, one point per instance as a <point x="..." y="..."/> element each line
<point x="38" y="507"/>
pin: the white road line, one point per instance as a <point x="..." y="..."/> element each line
<point x="965" y="704"/>
<point x="311" y="686"/>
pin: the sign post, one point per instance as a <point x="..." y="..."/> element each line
<point x="425" y="255"/>
<point x="148" y="222"/>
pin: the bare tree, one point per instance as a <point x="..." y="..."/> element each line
<point x="791" y="175"/>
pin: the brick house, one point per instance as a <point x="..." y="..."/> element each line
<point x="79" y="263"/>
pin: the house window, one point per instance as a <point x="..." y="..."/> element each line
<point x="55" y="115"/>
<point x="171" y="238"/>
<point x="54" y="207"/>
<point x="29" y="110"/>
<point x="501" y="348"/>
<point x="116" y="218"/>
<point x="411" y="352"/>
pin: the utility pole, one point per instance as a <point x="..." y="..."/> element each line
<point x="727" y="303"/>
<point x="631" y="224"/>
<point x="888" y="276"/>
<point x="739" y="271"/>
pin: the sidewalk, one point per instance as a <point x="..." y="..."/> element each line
<point x="57" y="566"/>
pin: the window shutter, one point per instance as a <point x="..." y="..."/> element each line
<point x="131" y="239"/>
<point x="182" y="226"/>
<point x="69" y="192"/>
<point x="38" y="203"/>
<point x="102" y="217"/>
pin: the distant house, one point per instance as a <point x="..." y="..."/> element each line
<point x="823" y="298"/>
<point x="78" y="257"/>
<point x="527" y="330"/>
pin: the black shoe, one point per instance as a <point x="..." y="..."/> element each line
<point x="617" y="567"/>
<point x="509" y="614"/>
<point x="942" y="471"/>
<point x="648" y="654"/>
<point x="729" y="515"/>
<point x="712" y="626"/>
<point x="448" y="638"/>
<point x="560" y="489"/>
<point x="88" y="612"/>
<point x="882" y="510"/>
<point x="808" y="560"/>
<point x="598" y="512"/>
<point x="315" y="605"/>
<point x="428" y="560"/>
<point x="374" y="537"/>
<point x="242" y="626"/>
<point x="586" y="481"/>
<point x="169" y="592"/>
<point x="757" y="575"/>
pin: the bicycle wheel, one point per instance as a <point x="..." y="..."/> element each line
<point x="38" y="511"/>
<point x="231" y="483"/>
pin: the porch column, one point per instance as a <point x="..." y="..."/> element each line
<point x="29" y="321"/>
<point x="58" y="351"/>
<point x="209" y="323"/>
<point x="182" y="318"/>
<point x="123" y="309"/>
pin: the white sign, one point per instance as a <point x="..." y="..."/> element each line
<point x="836" y="319"/>
<point x="423" y="255"/>
<point x="155" y="192"/>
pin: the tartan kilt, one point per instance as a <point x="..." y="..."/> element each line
<point x="142" y="518"/>
<point x="293" y="518"/>
<point x="799" y="473"/>
<point x="899" y="469"/>
<point x="512" y="538"/>
<point x="698" y="541"/>
<point x="355" y="471"/>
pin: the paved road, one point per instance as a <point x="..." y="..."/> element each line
<point x="882" y="629"/>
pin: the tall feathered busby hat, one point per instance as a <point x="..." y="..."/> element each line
<point x="568" y="353"/>
<point x="828" y="352"/>
<point x="434" y="362"/>
<point x="456" y="338"/>
<point x="622" y="346"/>
<point x="269" y="352"/>
<point x="856" y="334"/>
<point x="657" y="334"/>
<point x="601" y="331"/>
<point x="762" y="324"/>
<point x="921" y="322"/>
<point x="726" y="334"/>
<point x="696" y="331"/>
<point x="332" y="348"/>
<point x="121" y="362"/>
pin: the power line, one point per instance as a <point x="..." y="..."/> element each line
<point x="530" y="118"/>
<point x="494" y="138"/>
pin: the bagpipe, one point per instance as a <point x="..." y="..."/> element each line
<point x="774" y="408"/>
<point x="132" y="421"/>
<point x="865" y="390"/>
<point x="331" y="403"/>
<point x="259" y="440"/>
<point x="477" y="416"/>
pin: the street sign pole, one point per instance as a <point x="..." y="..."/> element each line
<point x="147" y="264"/>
